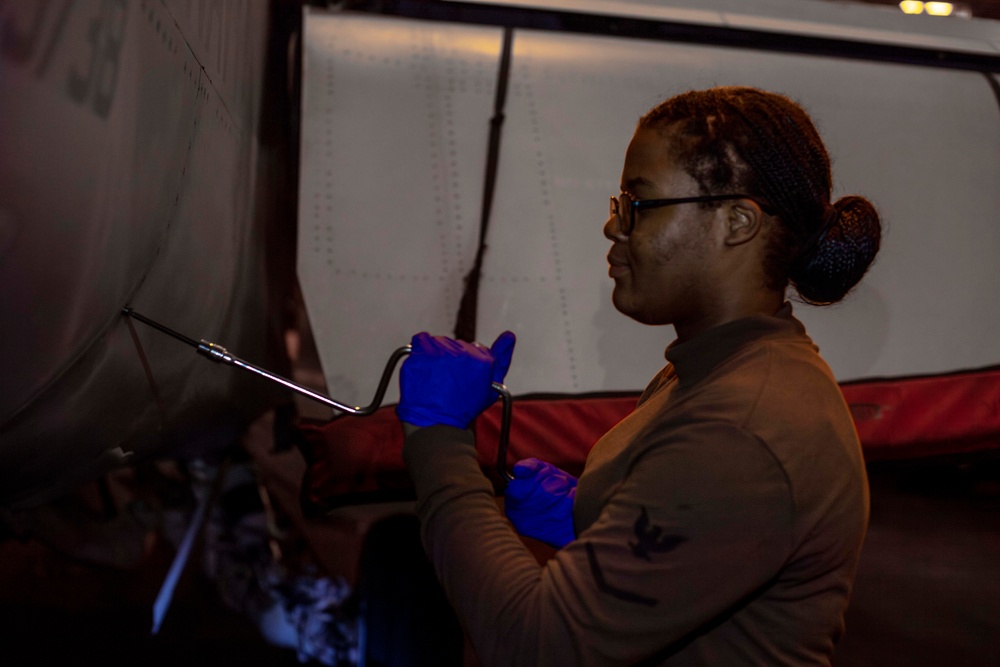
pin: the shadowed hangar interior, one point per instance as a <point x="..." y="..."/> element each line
<point x="200" y="162"/>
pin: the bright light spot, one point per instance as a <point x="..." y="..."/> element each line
<point x="911" y="6"/>
<point x="938" y="8"/>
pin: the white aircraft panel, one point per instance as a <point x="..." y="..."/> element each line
<point x="923" y="144"/>
<point x="128" y="177"/>
<point x="381" y="257"/>
<point x="855" y="21"/>
<point x="394" y="137"/>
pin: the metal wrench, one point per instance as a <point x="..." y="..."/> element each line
<point x="217" y="353"/>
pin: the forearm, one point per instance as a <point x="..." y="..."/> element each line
<point x="653" y="568"/>
<point x="489" y="576"/>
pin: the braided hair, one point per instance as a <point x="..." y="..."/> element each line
<point x="741" y="139"/>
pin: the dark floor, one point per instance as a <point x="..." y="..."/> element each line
<point x="928" y="585"/>
<point x="95" y="606"/>
<point x="87" y="615"/>
<point x="927" y="591"/>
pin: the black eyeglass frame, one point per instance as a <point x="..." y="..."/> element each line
<point x="635" y="205"/>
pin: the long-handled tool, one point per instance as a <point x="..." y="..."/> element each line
<point x="217" y="353"/>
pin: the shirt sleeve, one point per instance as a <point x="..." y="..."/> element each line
<point x="701" y="522"/>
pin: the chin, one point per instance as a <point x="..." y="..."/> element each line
<point x="643" y="318"/>
<point x="628" y="308"/>
<point x="636" y="311"/>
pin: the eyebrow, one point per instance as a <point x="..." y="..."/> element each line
<point x="635" y="182"/>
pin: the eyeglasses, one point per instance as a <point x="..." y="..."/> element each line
<point x="624" y="207"/>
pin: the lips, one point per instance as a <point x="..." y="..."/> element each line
<point x="618" y="266"/>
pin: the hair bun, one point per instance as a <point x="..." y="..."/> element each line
<point x="843" y="253"/>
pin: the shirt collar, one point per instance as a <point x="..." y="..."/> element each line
<point x="695" y="358"/>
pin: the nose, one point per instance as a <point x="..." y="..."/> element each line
<point x="613" y="230"/>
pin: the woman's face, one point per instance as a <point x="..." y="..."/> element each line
<point x="663" y="268"/>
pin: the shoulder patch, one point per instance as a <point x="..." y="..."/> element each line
<point x="605" y="587"/>
<point x="650" y="538"/>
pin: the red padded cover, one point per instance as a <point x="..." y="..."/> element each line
<point x="914" y="417"/>
<point x="359" y="459"/>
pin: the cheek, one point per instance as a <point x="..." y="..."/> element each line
<point x="652" y="251"/>
<point x="667" y="269"/>
<point x="664" y="261"/>
<point x="680" y="253"/>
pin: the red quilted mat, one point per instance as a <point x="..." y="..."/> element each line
<point x="359" y="459"/>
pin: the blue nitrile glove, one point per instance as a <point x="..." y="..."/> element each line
<point x="446" y="381"/>
<point x="539" y="502"/>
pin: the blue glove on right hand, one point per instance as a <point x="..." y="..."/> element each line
<point x="446" y="381"/>
<point x="539" y="502"/>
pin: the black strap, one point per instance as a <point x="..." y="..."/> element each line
<point x="160" y="405"/>
<point x="994" y="85"/>
<point x="465" y="323"/>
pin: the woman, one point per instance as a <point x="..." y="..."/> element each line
<point x="720" y="523"/>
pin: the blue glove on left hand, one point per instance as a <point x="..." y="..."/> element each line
<point x="539" y="502"/>
<point x="446" y="381"/>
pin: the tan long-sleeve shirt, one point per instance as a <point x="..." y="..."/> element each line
<point x="718" y="524"/>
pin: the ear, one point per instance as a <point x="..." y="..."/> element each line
<point x="744" y="219"/>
